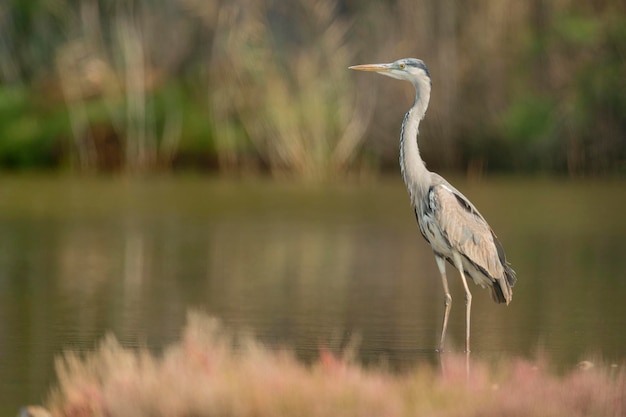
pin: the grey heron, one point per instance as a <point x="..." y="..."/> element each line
<point x="450" y="223"/>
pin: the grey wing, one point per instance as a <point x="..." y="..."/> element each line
<point x="469" y="234"/>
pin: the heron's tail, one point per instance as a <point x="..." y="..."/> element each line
<point x="502" y="291"/>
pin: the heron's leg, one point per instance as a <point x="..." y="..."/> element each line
<point x="468" y="300"/>
<point x="447" y="299"/>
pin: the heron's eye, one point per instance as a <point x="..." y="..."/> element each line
<point x="402" y="66"/>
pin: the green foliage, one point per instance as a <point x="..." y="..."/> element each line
<point x="529" y="129"/>
<point x="578" y="29"/>
<point x="29" y="136"/>
<point x="530" y="119"/>
<point x="573" y="115"/>
<point x="183" y="103"/>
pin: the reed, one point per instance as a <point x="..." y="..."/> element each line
<point x="289" y="93"/>
<point x="111" y="66"/>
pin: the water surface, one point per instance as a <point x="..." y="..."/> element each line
<point x="300" y="266"/>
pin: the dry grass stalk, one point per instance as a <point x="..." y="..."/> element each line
<point x="117" y="62"/>
<point x="295" y="102"/>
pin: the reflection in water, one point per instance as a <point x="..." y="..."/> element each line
<point x="304" y="268"/>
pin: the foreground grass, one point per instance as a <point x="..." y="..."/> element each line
<point x="211" y="373"/>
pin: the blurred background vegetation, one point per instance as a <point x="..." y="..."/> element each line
<point x="262" y="86"/>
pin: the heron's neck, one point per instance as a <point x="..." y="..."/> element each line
<point x="416" y="176"/>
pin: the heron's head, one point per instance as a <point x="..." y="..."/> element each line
<point x="409" y="69"/>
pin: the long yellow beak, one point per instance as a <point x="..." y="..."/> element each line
<point x="372" y="67"/>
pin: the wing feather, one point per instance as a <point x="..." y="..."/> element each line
<point x="467" y="231"/>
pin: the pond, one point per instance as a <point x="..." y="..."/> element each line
<point x="300" y="266"/>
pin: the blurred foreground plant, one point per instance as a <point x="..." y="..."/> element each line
<point x="210" y="372"/>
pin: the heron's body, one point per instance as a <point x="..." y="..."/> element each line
<point x="455" y="229"/>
